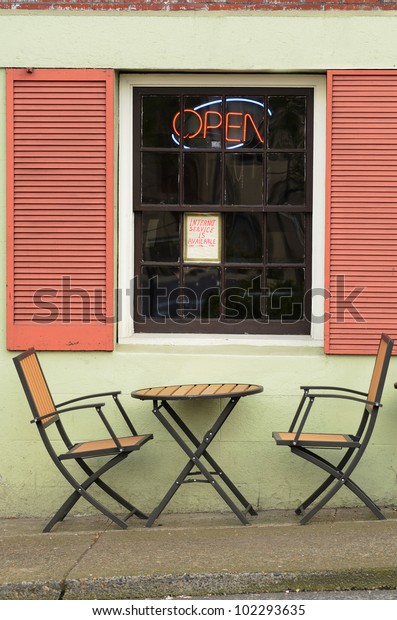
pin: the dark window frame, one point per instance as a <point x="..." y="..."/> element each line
<point x="146" y="324"/>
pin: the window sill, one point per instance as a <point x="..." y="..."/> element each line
<point x="199" y="340"/>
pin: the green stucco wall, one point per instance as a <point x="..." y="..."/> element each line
<point x="202" y="41"/>
<point x="269" y="476"/>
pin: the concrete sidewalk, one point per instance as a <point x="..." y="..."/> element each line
<point x="194" y="555"/>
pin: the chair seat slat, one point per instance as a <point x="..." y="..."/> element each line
<point x="100" y="445"/>
<point x="315" y="438"/>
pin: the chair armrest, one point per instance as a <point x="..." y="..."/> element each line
<point x="75" y="400"/>
<point x="59" y="411"/>
<point x="98" y="409"/>
<point x="308" y="397"/>
<point x="344" y="397"/>
<point x="114" y="394"/>
<point x="330" y="387"/>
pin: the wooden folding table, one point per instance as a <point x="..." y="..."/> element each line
<point x="197" y="451"/>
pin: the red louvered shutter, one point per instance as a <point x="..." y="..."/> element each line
<point x="60" y="209"/>
<point x="361" y="252"/>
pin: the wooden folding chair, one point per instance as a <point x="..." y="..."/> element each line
<point x="303" y="443"/>
<point x="116" y="449"/>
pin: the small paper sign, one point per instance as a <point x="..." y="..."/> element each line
<point x="202" y="237"/>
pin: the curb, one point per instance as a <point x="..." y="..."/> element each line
<point x="149" y="587"/>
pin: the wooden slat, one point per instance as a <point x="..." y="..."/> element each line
<point x="241" y="387"/>
<point x="106" y="444"/>
<point x="183" y="390"/>
<point x="196" y="390"/>
<point x="314" y="437"/>
<point x="212" y="388"/>
<point x="37" y="386"/>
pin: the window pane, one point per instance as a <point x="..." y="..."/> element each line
<point x="244" y="122"/>
<point x="286" y="179"/>
<point x="158" y="297"/>
<point x="243" y="237"/>
<point x="286" y="293"/>
<point x="242" y="294"/>
<point x="160" y="178"/>
<point x="158" y="113"/>
<point x="287" y="122"/>
<point x="202" y="122"/>
<point x="161" y="236"/>
<point x="285" y="238"/>
<point x="202" y="291"/>
<point x="243" y="179"/>
<point x="202" y="178"/>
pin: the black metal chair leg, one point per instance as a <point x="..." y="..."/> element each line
<point x="325" y="499"/>
<point x="365" y="498"/>
<point x="327" y="482"/>
<point x="81" y="491"/>
<point x="302" y="507"/>
<point x="72" y="500"/>
<point x="335" y="475"/>
<point x="112" y="493"/>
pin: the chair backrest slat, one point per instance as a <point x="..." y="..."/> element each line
<point x="380" y="369"/>
<point x="35" y="386"/>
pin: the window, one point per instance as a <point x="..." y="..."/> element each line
<point x="222" y="205"/>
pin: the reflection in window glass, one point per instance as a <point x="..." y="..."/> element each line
<point x="202" y="178"/>
<point x="244" y="238"/>
<point x="286" y="122"/>
<point x="160" y="236"/>
<point x="286" y="179"/>
<point x="160" y="173"/>
<point x="285" y="237"/>
<point x="202" y="292"/>
<point x="158" y="112"/>
<point x="242" y="294"/>
<point x="243" y="179"/>
<point x="158" y="297"/>
<point x="286" y="293"/>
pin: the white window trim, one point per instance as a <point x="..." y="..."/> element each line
<point x="128" y="82"/>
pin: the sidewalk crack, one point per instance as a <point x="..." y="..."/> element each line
<point x="97" y="536"/>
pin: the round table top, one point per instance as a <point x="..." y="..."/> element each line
<point x="197" y="390"/>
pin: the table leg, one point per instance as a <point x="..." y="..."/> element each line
<point x="210" y="460"/>
<point x="194" y="460"/>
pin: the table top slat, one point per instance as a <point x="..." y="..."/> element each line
<point x="242" y="387"/>
<point x="212" y="388"/>
<point x="227" y="388"/>
<point x="163" y="392"/>
<point x="183" y="390"/>
<point x="197" y="391"/>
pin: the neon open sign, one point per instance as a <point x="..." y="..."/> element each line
<point x="241" y="124"/>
